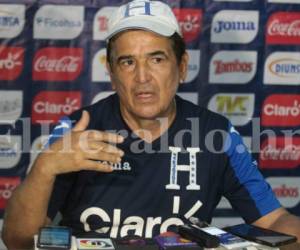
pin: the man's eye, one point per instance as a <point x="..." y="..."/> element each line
<point x="157" y="59"/>
<point x="127" y="62"/>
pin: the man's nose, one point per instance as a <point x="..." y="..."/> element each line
<point x="142" y="74"/>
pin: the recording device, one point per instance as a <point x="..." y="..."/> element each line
<point x="196" y="234"/>
<point x="261" y="235"/>
<point x="55" y="237"/>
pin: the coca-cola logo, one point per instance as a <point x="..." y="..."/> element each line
<point x="222" y="67"/>
<point x="280" y="152"/>
<point x="7" y="186"/>
<point x="57" y="64"/>
<point x="11" y="62"/>
<point x="190" y="21"/>
<point x="49" y="106"/>
<point x="283" y="28"/>
<point x="281" y="110"/>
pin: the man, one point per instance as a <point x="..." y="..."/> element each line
<point x="141" y="161"/>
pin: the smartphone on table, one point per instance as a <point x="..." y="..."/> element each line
<point x="261" y="235"/>
<point x="54" y="237"/>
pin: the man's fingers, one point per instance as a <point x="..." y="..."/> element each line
<point x="83" y="123"/>
<point x="101" y="136"/>
<point x="102" y="156"/>
<point x="93" y="165"/>
<point x="98" y="146"/>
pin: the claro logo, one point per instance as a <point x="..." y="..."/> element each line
<point x="11" y="62"/>
<point x="280" y="153"/>
<point x="283" y="28"/>
<point x="281" y="110"/>
<point x="57" y="64"/>
<point x="190" y="21"/>
<point x="7" y="186"/>
<point x="49" y="106"/>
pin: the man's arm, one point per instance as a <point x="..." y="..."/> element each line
<point x="282" y="221"/>
<point x="27" y="209"/>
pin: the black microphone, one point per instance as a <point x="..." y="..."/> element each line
<point x="202" y="238"/>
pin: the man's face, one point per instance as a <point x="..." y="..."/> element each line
<point x="145" y="74"/>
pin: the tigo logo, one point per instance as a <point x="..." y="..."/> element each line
<point x="283" y="28"/>
<point x="286" y="189"/>
<point x="7" y="186"/>
<point x="280" y="152"/>
<point x="99" y="72"/>
<point x="190" y="21"/>
<point x="11" y="62"/>
<point x="12" y="20"/>
<point x="57" y="64"/>
<point x="282" y="68"/>
<point x="233" y="67"/>
<point x="193" y="65"/>
<point x="62" y="22"/>
<point x="238" y="108"/>
<point x="11" y="105"/>
<point x="95" y="244"/>
<point x="234" y="26"/>
<point x="49" y="106"/>
<point x="281" y="110"/>
<point x="10" y="151"/>
<point x="101" y="21"/>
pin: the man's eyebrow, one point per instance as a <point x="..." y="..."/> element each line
<point x="120" y="58"/>
<point x="158" y="53"/>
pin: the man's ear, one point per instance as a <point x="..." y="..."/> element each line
<point x="109" y="70"/>
<point x="183" y="67"/>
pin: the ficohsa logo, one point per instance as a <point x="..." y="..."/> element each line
<point x="283" y="28"/>
<point x="57" y="64"/>
<point x="280" y="153"/>
<point x="11" y="62"/>
<point x="7" y="186"/>
<point x="238" y="108"/>
<point x="233" y="67"/>
<point x="234" y="26"/>
<point x="12" y="20"/>
<point x="286" y="189"/>
<point x="95" y="244"/>
<point x="49" y="106"/>
<point x="101" y="22"/>
<point x="193" y="65"/>
<point x="62" y="22"/>
<point x="281" y="110"/>
<point x="282" y="68"/>
<point x="190" y="21"/>
<point x="11" y="105"/>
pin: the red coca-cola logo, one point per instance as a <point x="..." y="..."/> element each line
<point x="235" y="66"/>
<point x="280" y="152"/>
<point x="57" y="64"/>
<point x="50" y="106"/>
<point x="11" y="62"/>
<point x="281" y="110"/>
<point x="283" y="28"/>
<point x="7" y="186"/>
<point x="190" y="21"/>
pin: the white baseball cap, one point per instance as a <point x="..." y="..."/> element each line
<point x="149" y="15"/>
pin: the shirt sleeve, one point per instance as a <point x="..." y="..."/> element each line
<point x="244" y="185"/>
<point x="63" y="183"/>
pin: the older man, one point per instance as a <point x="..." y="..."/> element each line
<point x="143" y="160"/>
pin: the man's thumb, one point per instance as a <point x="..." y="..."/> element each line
<point x="83" y="122"/>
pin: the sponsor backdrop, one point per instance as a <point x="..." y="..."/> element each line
<point x="244" y="64"/>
